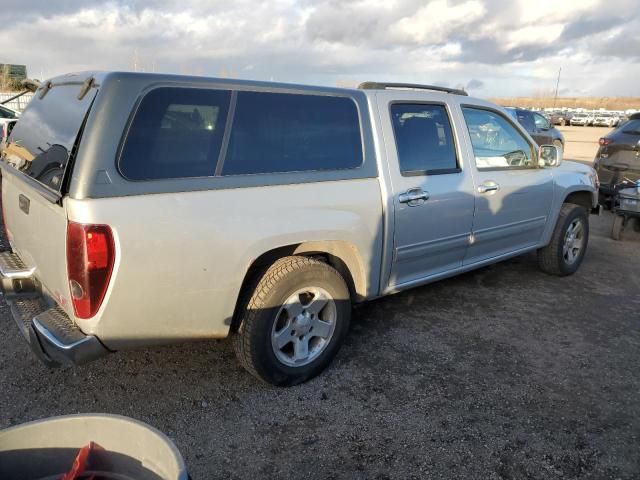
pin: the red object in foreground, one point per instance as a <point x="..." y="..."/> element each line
<point x="605" y="141"/>
<point x="81" y="462"/>
<point x="90" y="258"/>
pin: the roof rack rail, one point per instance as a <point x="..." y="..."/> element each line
<point x="415" y="86"/>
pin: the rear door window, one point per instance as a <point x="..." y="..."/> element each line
<point x="631" y="127"/>
<point x="282" y="132"/>
<point x="424" y="139"/>
<point x="175" y="133"/>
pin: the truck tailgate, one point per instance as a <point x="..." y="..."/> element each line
<point x="37" y="233"/>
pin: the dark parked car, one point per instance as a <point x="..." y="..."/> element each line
<point x="538" y="126"/>
<point x="618" y="157"/>
<point x="560" y="118"/>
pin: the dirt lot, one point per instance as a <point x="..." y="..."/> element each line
<point x="581" y="143"/>
<point x="503" y="373"/>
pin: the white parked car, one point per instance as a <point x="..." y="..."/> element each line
<point x="8" y="118"/>
<point x="582" y="119"/>
<point x="606" y="120"/>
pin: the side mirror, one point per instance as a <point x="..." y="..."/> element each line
<point x="549" y="156"/>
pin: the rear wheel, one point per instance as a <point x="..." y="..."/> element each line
<point x="565" y="252"/>
<point x="294" y="321"/>
<point x="617" y="229"/>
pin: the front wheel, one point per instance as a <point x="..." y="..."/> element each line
<point x="294" y="321"/>
<point x="565" y="252"/>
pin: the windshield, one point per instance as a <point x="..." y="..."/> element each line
<point x="41" y="142"/>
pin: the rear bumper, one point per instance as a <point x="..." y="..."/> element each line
<point x="51" y="334"/>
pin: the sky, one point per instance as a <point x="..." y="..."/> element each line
<point x="493" y="48"/>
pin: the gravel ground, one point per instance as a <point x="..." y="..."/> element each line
<point x="502" y="373"/>
<point x="581" y="143"/>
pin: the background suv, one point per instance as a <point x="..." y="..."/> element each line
<point x="618" y="157"/>
<point x="538" y="126"/>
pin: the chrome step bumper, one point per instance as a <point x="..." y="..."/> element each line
<point x="62" y="341"/>
<point x="51" y="334"/>
<point x="12" y="266"/>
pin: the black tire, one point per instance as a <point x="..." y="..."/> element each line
<point x="265" y="298"/>
<point x="617" y="229"/>
<point x="551" y="259"/>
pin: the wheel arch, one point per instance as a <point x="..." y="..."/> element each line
<point x="341" y="255"/>
<point x="584" y="198"/>
<point x="577" y="195"/>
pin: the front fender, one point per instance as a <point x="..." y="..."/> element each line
<point x="570" y="178"/>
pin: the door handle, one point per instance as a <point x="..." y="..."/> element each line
<point x="413" y="197"/>
<point x="489" y="186"/>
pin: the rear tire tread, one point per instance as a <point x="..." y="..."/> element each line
<point x="254" y="300"/>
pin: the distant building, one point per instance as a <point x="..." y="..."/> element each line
<point x="13" y="72"/>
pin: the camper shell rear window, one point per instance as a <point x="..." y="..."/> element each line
<point x="42" y="141"/>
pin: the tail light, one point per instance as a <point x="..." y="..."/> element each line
<point x="604" y="141"/>
<point x="90" y="258"/>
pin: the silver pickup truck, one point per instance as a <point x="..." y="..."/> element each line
<point x="146" y="209"/>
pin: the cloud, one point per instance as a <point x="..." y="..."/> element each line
<point x="474" y="84"/>
<point x="586" y="27"/>
<point x="435" y="21"/>
<point x="622" y="42"/>
<point x="510" y="48"/>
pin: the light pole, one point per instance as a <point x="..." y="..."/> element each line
<point x="555" y="98"/>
